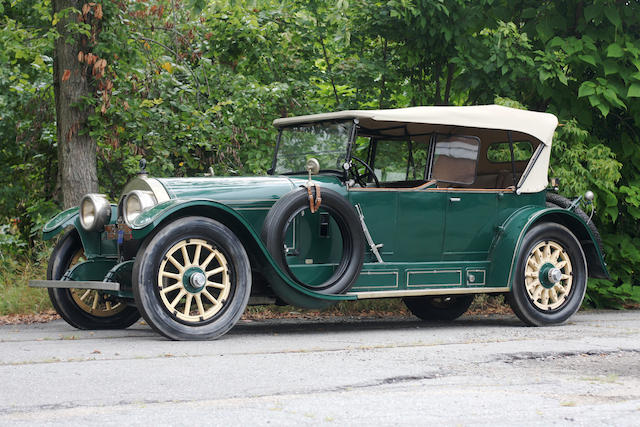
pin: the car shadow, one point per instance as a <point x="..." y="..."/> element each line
<point x="355" y="324"/>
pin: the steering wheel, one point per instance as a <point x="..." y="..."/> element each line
<point x="362" y="179"/>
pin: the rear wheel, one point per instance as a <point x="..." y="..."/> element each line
<point x="551" y="276"/>
<point x="435" y="308"/>
<point x="192" y="280"/>
<point x="84" y="308"/>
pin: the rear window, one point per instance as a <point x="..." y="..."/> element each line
<point x="500" y="152"/>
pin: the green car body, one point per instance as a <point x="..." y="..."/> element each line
<point x="429" y="238"/>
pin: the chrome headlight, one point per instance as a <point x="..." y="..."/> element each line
<point x="95" y="212"/>
<point x="135" y="203"/>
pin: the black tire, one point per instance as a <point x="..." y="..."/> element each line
<point x="556" y="200"/>
<point x="438" y="308"/>
<point x="153" y="293"/>
<point x="343" y="213"/>
<point x="527" y="298"/>
<point x="68" y="302"/>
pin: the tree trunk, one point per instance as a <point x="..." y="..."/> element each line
<point x="77" y="171"/>
<point x="447" y="89"/>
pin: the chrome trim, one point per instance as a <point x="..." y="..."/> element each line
<point x="144" y="183"/>
<point x="146" y="200"/>
<point x="416" y="272"/>
<point x="100" y="211"/>
<point x="379" y="272"/>
<point x="484" y="277"/>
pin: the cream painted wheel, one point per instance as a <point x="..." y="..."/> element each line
<point x="550" y="278"/>
<point x="192" y="279"/>
<point x="95" y="303"/>
<point x="182" y="294"/>
<point x="545" y="259"/>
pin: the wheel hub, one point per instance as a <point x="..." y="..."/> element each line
<point x="194" y="280"/>
<point x="548" y="275"/>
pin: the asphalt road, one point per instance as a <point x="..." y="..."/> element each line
<point x="475" y="371"/>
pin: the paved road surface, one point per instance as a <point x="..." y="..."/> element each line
<point x="476" y="371"/>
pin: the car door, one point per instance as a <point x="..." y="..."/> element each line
<point x="469" y="224"/>
<point x="470" y="213"/>
<point x="404" y="214"/>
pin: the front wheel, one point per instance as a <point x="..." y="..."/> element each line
<point x="192" y="280"/>
<point x="551" y="276"/>
<point x="438" y="308"/>
<point x="84" y="308"/>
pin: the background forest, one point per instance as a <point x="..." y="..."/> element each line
<point x="193" y="84"/>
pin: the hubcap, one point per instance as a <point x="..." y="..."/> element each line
<point x="554" y="275"/>
<point x="193" y="280"/>
<point x="198" y="280"/>
<point x="548" y="275"/>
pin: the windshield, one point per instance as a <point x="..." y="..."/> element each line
<point x="326" y="142"/>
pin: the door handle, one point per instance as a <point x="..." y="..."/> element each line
<point x="454" y="199"/>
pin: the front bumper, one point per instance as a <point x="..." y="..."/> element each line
<point x="76" y="284"/>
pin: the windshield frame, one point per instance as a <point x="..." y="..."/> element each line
<point x="353" y="123"/>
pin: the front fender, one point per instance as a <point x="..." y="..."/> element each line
<point x="507" y="245"/>
<point x="287" y="289"/>
<point x="59" y="223"/>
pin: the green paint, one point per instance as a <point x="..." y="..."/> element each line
<point x="122" y="273"/>
<point x="95" y="269"/>
<point x="59" y="223"/>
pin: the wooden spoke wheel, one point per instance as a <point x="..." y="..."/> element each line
<point x="192" y="279"/>
<point x="550" y="277"/>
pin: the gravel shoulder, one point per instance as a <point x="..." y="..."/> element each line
<point x="478" y="370"/>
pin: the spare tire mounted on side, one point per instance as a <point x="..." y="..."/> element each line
<point x="345" y="216"/>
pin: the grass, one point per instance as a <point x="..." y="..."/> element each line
<point x="16" y="297"/>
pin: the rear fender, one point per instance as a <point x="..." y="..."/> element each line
<point x="288" y="290"/>
<point x="507" y="245"/>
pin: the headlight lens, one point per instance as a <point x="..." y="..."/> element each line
<point x="95" y="212"/>
<point x="135" y="203"/>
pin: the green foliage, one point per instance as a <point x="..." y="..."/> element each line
<point x="17" y="270"/>
<point x="192" y="85"/>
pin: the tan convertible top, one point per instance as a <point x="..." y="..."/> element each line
<point x="539" y="125"/>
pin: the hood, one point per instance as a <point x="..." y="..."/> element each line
<point x="228" y="190"/>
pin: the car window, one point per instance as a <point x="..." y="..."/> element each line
<point x="455" y="159"/>
<point x="400" y="160"/>
<point x="327" y="142"/>
<point x="501" y="153"/>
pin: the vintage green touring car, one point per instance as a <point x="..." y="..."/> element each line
<point x="430" y="204"/>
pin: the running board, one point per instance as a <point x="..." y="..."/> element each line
<point x="79" y="284"/>
<point x="422" y="292"/>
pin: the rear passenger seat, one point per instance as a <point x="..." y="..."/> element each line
<point x="500" y="180"/>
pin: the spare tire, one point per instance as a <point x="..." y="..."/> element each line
<point x="290" y="205"/>
<point x="555" y="200"/>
